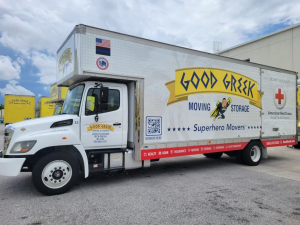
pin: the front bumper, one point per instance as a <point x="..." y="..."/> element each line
<point x="11" y="166"/>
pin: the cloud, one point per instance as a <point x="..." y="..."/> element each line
<point x="15" y="90"/>
<point x="13" y="82"/>
<point x="46" y="65"/>
<point x="39" y="95"/>
<point x="44" y="25"/>
<point x="21" y="61"/>
<point x="8" y="69"/>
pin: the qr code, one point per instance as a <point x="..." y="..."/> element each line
<point x="154" y="124"/>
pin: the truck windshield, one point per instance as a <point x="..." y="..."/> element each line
<point x="73" y="99"/>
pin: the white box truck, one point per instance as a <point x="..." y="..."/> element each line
<point x="132" y="101"/>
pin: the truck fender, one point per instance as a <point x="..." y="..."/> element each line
<point x="264" y="152"/>
<point x="85" y="160"/>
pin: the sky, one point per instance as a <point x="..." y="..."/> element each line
<point x="31" y="31"/>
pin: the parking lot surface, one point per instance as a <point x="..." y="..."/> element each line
<point x="183" y="190"/>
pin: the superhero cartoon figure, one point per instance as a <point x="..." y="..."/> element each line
<point x="221" y="108"/>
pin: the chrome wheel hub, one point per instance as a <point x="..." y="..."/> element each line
<point x="57" y="174"/>
<point x="255" y="153"/>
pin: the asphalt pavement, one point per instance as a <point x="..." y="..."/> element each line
<point x="183" y="190"/>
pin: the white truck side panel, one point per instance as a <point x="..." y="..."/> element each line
<point x="157" y="66"/>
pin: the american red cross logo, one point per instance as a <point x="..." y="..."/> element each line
<point x="279" y="96"/>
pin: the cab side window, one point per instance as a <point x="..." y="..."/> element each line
<point x="93" y="101"/>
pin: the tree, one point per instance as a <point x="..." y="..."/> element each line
<point x="1" y="107"/>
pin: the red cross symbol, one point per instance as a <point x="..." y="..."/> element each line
<point x="279" y="96"/>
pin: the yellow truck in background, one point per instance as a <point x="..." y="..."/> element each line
<point x="58" y="95"/>
<point x="44" y="107"/>
<point x="58" y="108"/>
<point x="18" y="108"/>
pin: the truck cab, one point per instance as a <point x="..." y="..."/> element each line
<point x="103" y="115"/>
<point x="91" y="135"/>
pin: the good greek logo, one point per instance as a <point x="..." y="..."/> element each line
<point x="100" y="127"/>
<point x="65" y="57"/>
<point x="199" y="80"/>
<point x="20" y="101"/>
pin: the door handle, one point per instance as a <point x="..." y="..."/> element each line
<point x="117" y="124"/>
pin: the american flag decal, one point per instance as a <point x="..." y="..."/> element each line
<point x="102" y="47"/>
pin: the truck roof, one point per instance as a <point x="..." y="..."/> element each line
<point x="81" y="28"/>
<point x="20" y="95"/>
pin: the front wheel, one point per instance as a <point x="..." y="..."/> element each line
<point x="252" y="154"/>
<point x="55" y="173"/>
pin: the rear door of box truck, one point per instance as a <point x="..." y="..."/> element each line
<point x="47" y="108"/>
<point x="279" y="110"/>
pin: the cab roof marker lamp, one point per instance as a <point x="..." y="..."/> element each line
<point x="62" y="123"/>
<point x="22" y="147"/>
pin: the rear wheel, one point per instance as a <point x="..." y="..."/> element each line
<point x="55" y="173"/>
<point x="252" y="154"/>
<point x="215" y="155"/>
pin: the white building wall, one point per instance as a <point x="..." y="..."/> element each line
<point x="280" y="50"/>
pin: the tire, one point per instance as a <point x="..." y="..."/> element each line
<point x="239" y="157"/>
<point x="296" y="146"/>
<point x="55" y="173"/>
<point x="252" y="154"/>
<point x="215" y="155"/>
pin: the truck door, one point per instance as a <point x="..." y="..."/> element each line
<point x="105" y="130"/>
<point x="278" y="104"/>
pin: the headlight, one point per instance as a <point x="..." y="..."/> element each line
<point x="22" y="147"/>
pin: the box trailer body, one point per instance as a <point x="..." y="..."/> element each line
<point x="18" y="108"/>
<point x="132" y="101"/>
<point x="44" y="107"/>
<point x="179" y="88"/>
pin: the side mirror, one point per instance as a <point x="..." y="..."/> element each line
<point x="103" y="95"/>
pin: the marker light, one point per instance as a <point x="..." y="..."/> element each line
<point x="22" y="147"/>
